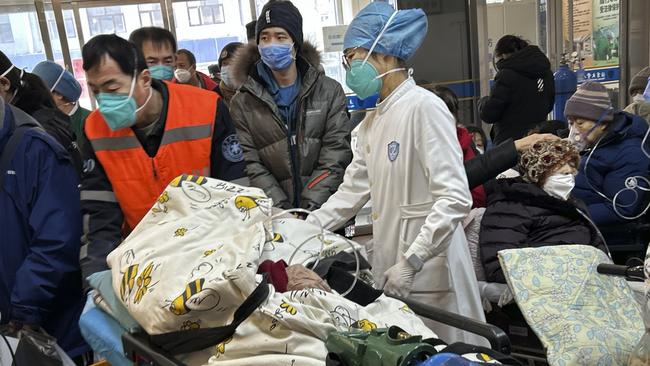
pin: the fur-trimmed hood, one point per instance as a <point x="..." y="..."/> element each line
<point x="246" y="57"/>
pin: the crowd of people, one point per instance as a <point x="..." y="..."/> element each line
<point x="75" y="182"/>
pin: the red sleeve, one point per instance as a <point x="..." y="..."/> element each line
<point x="277" y="274"/>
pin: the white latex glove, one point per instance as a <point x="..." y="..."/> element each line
<point x="398" y="279"/>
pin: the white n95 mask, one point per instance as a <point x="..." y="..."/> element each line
<point x="182" y="75"/>
<point x="560" y="185"/>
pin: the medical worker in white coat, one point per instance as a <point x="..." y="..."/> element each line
<point x="408" y="160"/>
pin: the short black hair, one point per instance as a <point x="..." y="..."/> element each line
<point x="189" y="55"/>
<point x="553" y="126"/>
<point x="509" y="44"/>
<point x="127" y="56"/>
<point x="475" y="129"/>
<point x="250" y="30"/>
<point x="157" y="36"/>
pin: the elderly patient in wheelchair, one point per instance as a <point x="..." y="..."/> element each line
<point x="538" y="247"/>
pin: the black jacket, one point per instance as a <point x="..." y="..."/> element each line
<point x="102" y="215"/>
<point x="522" y="215"/>
<point x="484" y="167"/>
<point x="57" y="124"/>
<point x="522" y="95"/>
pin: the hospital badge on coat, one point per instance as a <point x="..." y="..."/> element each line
<point x="393" y="150"/>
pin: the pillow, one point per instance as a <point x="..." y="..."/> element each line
<point x="581" y="316"/>
<point x="102" y="282"/>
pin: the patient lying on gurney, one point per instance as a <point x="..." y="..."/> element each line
<point x="193" y="262"/>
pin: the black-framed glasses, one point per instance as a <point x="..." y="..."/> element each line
<point x="344" y="58"/>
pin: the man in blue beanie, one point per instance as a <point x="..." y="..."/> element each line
<point x="409" y="162"/>
<point x="291" y="119"/>
<point x="66" y="91"/>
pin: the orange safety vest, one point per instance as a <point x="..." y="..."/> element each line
<point x="138" y="179"/>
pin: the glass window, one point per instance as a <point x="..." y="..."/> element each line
<point x="150" y="15"/>
<point x="205" y="27"/>
<point x="6" y="34"/>
<point x="68" y="19"/>
<point x="205" y="12"/>
<point x="20" y="36"/>
<point x="106" y="20"/>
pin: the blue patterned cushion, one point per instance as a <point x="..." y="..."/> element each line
<point x="581" y="317"/>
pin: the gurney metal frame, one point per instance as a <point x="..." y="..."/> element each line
<point x="138" y="348"/>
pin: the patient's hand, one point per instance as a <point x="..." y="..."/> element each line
<point x="301" y="278"/>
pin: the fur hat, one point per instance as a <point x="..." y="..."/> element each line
<point x="538" y="162"/>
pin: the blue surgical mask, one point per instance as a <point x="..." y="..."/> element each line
<point x="161" y="72"/>
<point x="277" y="56"/>
<point x="119" y="110"/>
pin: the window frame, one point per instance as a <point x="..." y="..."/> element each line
<point x="4" y="33"/>
<point x="105" y="16"/>
<point x="199" y="7"/>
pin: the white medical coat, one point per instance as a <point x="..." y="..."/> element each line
<point x="408" y="159"/>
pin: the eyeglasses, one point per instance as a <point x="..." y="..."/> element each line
<point x="345" y="61"/>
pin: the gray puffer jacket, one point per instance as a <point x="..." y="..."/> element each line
<point x="301" y="173"/>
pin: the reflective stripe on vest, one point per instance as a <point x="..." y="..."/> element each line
<point x="137" y="179"/>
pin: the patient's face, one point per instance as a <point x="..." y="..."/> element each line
<point x="567" y="168"/>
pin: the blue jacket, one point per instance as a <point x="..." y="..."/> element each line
<point x="618" y="157"/>
<point x="40" y="222"/>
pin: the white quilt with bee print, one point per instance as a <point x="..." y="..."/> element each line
<point x="193" y="260"/>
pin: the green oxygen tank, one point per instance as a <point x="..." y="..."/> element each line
<point x="381" y="347"/>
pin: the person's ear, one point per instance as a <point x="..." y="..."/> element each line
<point x="5" y="84"/>
<point x="145" y="78"/>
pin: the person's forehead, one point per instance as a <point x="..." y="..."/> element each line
<point x="181" y="57"/>
<point x="107" y="69"/>
<point x="274" y="31"/>
<point x="162" y="49"/>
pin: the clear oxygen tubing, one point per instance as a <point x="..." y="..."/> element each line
<point x="321" y="237"/>
<point x="631" y="184"/>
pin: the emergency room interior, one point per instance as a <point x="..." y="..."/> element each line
<point x="324" y="182"/>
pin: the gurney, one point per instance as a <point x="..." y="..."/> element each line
<point x="138" y="348"/>
<point x="184" y="217"/>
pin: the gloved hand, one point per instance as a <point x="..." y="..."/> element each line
<point x="398" y="279"/>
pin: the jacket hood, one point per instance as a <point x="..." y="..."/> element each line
<point x="244" y="60"/>
<point x="530" y="62"/>
<point x="628" y="125"/>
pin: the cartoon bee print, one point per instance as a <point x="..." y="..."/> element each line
<point x="290" y="309"/>
<point x="160" y="206"/>
<point x="278" y="238"/>
<point x="247" y="203"/>
<point x="406" y="309"/>
<point x="180" y="232"/>
<point x="190" y="325"/>
<point x="194" y="297"/>
<point x="178" y="181"/>
<point x="143" y="282"/>
<point x="208" y="252"/>
<point x="221" y="347"/>
<point x="365" y="325"/>
<point x="128" y="281"/>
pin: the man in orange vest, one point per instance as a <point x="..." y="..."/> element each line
<point x="145" y="133"/>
